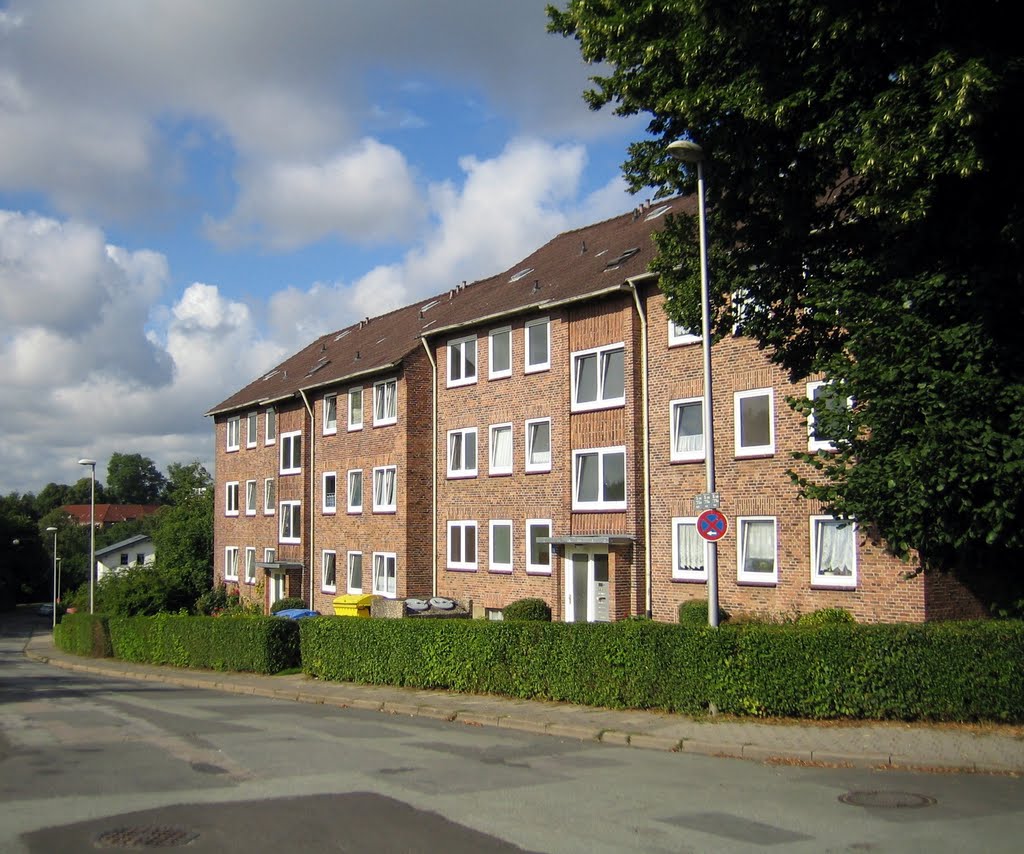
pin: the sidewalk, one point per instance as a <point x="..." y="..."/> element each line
<point x="982" y="748"/>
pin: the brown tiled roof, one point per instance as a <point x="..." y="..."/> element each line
<point x="107" y="514"/>
<point x="576" y="265"/>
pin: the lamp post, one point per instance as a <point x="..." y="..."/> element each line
<point x="58" y="578"/>
<point x="53" y="530"/>
<point x="92" y="533"/>
<point x="690" y="152"/>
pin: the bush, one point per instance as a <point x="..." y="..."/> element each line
<point x="536" y="610"/>
<point x="940" y="671"/>
<point x="695" y="613"/>
<point x="286" y="603"/>
<point x="826" y="617"/>
<point x="83" y="634"/>
<point x="240" y="643"/>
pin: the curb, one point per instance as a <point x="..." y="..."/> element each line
<point x="580" y="732"/>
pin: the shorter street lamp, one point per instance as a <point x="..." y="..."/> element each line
<point x="92" y="533"/>
<point x="53" y="530"/>
<point x="690" y="152"/>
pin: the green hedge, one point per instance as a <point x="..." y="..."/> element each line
<point x="939" y="671"/>
<point x="83" y="634"/>
<point x="251" y="644"/>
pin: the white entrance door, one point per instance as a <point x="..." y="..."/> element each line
<point x="586" y="585"/>
<point x="276" y="587"/>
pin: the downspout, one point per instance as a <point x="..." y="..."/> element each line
<point x="312" y="497"/>
<point x="433" y="466"/>
<point x="644" y="426"/>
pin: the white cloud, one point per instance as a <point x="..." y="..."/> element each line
<point x="364" y="194"/>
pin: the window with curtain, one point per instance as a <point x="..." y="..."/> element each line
<point x="538" y="445"/>
<point x="501" y="449"/>
<point x="757" y="550"/>
<point x="688" y="551"/>
<point x="833" y="552"/>
<point x="687" y="429"/>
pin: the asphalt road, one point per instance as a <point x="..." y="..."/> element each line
<point x="90" y="763"/>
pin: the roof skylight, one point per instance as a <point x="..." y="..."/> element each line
<point x="522" y="274"/>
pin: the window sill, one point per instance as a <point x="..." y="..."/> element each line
<point x="746" y="582"/>
<point x="597" y="407"/>
<point x="493" y="571"/>
<point x="820" y="584"/>
<point x="755" y="455"/>
<point x="461" y="568"/>
<point x="686" y="460"/>
<point x="461" y="475"/>
<point x="377" y="424"/>
<point x="501" y="473"/>
<point x="542" y="572"/>
<point x="681" y="580"/>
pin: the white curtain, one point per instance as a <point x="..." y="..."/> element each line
<point x="501" y="448"/>
<point x="689" y="428"/>
<point x="540" y="443"/>
<point x="759" y="545"/>
<point x="835" y="546"/>
<point x="690" y="548"/>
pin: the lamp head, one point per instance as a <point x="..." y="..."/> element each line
<point x="51" y="530"/>
<point x="686" y="151"/>
<point x="87" y="462"/>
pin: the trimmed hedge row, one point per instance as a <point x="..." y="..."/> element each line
<point x="249" y="644"/>
<point x="939" y="671"/>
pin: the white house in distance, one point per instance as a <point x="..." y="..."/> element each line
<point x="135" y="551"/>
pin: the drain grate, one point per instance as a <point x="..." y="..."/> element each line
<point x="147" y="836"/>
<point x="887" y="800"/>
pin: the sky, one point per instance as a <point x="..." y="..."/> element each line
<point x="192" y="190"/>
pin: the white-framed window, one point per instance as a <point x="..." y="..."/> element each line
<point x="270" y="426"/>
<point x="385" y="497"/>
<point x="462" y="361"/>
<point x="231" y="563"/>
<point x="291" y="452"/>
<point x="757" y="549"/>
<point x="499" y="353"/>
<point x="599" y="378"/>
<point x="599" y="479"/>
<point x="250" y="565"/>
<point x="251" y="425"/>
<point x="291" y="522"/>
<point x="500" y="449"/>
<point x="269" y="499"/>
<point x="500" y="542"/>
<point x="462" y="545"/>
<point x="538" y="444"/>
<point x="384" y="574"/>
<point x="833" y="552"/>
<point x="330" y="414"/>
<point x="462" y="452"/>
<point x="233" y="428"/>
<point x="355" y="572"/>
<point x="815" y="440"/>
<point x="687" y="429"/>
<point x="355" y="409"/>
<point x="250" y="498"/>
<point x="755" y="422"/>
<point x="269" y="555"/>
<point x="689" y="550"/>
<point x="329" y="571"/>
<point x="385" y="402"/>
<point x="679" y="335"/>
<point x="537" y="349"/>
<point x="330" y="491"/>
<point x="355" y="490"/>
<point x="231" y="498"/>
<point x="538" y="555"/>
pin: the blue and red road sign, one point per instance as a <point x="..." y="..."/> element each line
<point x="712" y="525"/>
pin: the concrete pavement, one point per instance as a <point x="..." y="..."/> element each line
<point x="935" y="747"/>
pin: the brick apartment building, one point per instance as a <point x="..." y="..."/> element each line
<point x="538" y="433"/>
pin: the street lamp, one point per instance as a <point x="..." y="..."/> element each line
<point x="53" y="530"/>
<point x="690" y="152"/>
<point x="92" y="533"/>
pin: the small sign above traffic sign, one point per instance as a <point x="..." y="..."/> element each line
<point x="712" y="525"/>
<point x="707" y="501"/>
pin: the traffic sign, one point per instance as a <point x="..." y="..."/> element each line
<point x="712" y="525"/>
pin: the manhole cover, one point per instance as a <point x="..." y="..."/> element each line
<point x="887" y="800"/>
<point x="151" y="836"/>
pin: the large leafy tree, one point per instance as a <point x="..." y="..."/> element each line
<point x="134" y="479"/>
<point x="865" y="198"/>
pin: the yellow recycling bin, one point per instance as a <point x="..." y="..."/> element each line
<point x="352" y="605"/>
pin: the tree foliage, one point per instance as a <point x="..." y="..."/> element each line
<point x="865" y="213"/>
<point x="134" y="479"/>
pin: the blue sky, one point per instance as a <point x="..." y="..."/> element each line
<point x="190" y="190"/>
